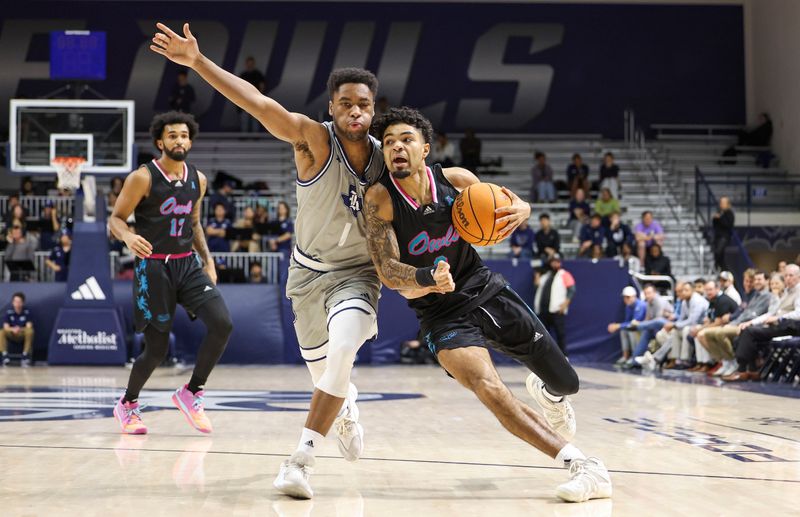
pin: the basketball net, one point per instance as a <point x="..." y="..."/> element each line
<point x="68" y="169"/>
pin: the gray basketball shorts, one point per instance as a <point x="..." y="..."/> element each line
<point x="316" y="297"/>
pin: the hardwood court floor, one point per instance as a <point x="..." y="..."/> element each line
<point x="431" y="448"/>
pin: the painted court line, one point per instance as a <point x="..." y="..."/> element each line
<point x="404" y="460"/>
<point x="745" y="430"/>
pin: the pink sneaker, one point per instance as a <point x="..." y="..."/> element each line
<point x="129" y="417"/>
<point x="192" y="408"/>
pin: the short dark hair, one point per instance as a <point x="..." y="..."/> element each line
<point x="544" y="215"/>
<point x="646" y="212"/>
<point x="609" y="153"/>
<point x="403" y="115"/>
<point x="700" y="280"/>
<point x="538" y="154"/>
<point x="597" y="216"/>
<point x="761" y="272"/>
<point x="172" y="117"/>
<point x="342" y="76"/>
<point x="649" y="284"/>
<point x="19" y="295"/>
<point x="576" y="155"/>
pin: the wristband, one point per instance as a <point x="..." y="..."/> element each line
<point x="424" y="277"/>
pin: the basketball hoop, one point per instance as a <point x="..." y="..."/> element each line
<point x="69" y="171"/>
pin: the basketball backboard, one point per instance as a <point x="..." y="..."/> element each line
<point x="100" y="131"/>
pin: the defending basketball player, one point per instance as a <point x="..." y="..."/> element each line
<point x="332" y="282"/>
<point x="165" y="195"/>
<point x="462" y="306"/>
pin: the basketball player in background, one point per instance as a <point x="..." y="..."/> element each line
<point x="172" y="265"/>
<point x="332" y="282"/>
<point x="462" y="306"/>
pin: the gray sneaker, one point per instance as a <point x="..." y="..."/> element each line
<point x="559" y="415"/>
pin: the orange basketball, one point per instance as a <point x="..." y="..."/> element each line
<point x="473" y="213"/>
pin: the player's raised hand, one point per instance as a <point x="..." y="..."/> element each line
<point x="179" y="49"/>
<point x="139" y="245"/>
<point x="444" y="280"/>
<point x="513" y="215"/>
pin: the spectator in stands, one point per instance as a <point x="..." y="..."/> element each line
<point x="50" y="226"/>
<point x="722" y="222"/>
<point x="609" y="175"/>
<point x="382" y="105"/>
<point x="59" y="257"/>
<point x="759" y="136"/>
<point x="578" y="213"/>
<point x="700" y="286"/>
<point x="20" y="248"/>
<point x="548" y="242"/>
<point x="442" y="151"/>
<point x="626" y="257"/>
<point x="113" y="194"/>
<point x="285" y="226"/>
<point x="674" y="337"/>
<point x="592" y="234"/>
<point x="543" y="189"/>
<point x="17" y="327"/>
<point x="784" y="320"/>
<point x="748" y="287"/>
<point x="619" y="233"/>
<point x="16" y="216"/>
<point x="577" y="175"/>
<point x="659" y="312"/>
<point x="719" y="304"/>
<point x="224" y="196"/>
<point x="781" y="267"/>
<point x="26" y="187"/>
<point x="216" y="230"/>
<point x="596" y="252"/>
<point x="555" y="291"/>
<point x="247" y="221"/>
<point x="717" y="340"/>
<point x="657" y="263"/>
<point x="252" y="75"/>
<point x="647" y="233"/>
<point x="635" y="310"/>
<point x="470" y="150"/>
<point x="522" y="241"/>
<point x="182" y="96"/>
<point x="606" y="205"/>
<point x="256" y="274"/>
<point x="726" y="284"/>
<point x="262" y="216"/>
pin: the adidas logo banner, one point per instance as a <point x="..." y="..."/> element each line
<point x="88" y="290"/>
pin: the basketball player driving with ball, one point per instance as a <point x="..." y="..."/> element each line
<point x="464" y="308"/>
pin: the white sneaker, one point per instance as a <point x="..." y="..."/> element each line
<point x="588" y="479"/>
<point x="559" y="415"/>
<point x="293" y="477"/>
<point x="350" y="434"/>
<point x="727" y="369"/>
<point x="646" y="361"/>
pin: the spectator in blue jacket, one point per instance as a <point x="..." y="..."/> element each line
<point x="592" y="234"/>
<point x="635" y="310"/>
<point x="522" y="241"/>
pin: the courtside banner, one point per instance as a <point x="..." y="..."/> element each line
<point x="496" y="67"/>
<point x="87" y="336"/>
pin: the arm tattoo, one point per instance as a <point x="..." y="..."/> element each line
<point x="385" y="252"/>
<point x="199" y="243"/>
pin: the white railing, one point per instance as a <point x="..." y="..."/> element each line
<point x="42" y="273"/>
<point x="34" y="205"/>
<point x="270" y="263"/>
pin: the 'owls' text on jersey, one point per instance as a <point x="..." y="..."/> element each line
<point x="164" y="217"/>
<point x="330" y="225"/>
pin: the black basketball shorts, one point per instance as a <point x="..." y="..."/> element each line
<point x="504" y="323"/>
<point x="159" y="285"/>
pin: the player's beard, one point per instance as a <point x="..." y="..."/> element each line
<point x="401" y="174"/>
<point x="178" y="156"/>
<point x="353" y="136"/>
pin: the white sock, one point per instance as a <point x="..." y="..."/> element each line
<point x="309" y="439"/>
<point x="551" y="397"/>
<point x="567" y="454"/>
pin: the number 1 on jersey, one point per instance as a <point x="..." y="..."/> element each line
<point x="176" y="227"/>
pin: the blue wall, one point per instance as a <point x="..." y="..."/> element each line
<point x="499" y="67"/>
<point x="262" y="320"/>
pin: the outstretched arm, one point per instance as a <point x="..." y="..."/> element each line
<point x="385" y="252"/>
<point x="294" y="128"/>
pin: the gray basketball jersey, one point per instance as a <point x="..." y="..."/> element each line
<point x="330" y="226"/>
